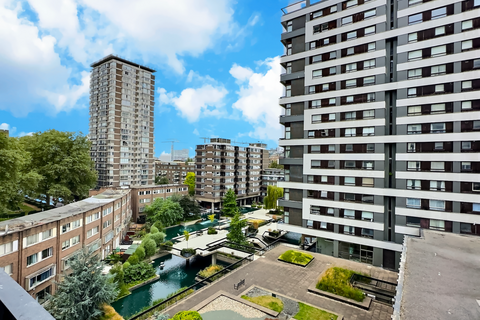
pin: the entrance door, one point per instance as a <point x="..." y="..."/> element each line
<point x="366" y="254"/>
<point x="389" y="259"/>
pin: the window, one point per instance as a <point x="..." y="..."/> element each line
<point x="348" y="230"/>
<point x="367" y="182"/>
<point x="288" y="112"/>
<point x="8" y="247"/>
<point x="367" y="216"/>
<point x="349" y="181"/>
<point x="368" y="81"/>
<point x="476" y="125"/>
<point x="323" y="225"/>
<point x="370" y="97"/>
<point x="331" y="117"/>
<point x="347" y="20"/>
<point x="47" y="234"/>
<point x="92" y="232"/>
<point x="288" y="91"/>
<point x="438" y="145"/>
<point x="8" y="269"/>
<point x="467" y="25"/>
<point x="367" y="198"/>
<point x="332" y="70"/>
<point x="287" y="132"/>
<point x="317" y="58"/>
<point x="32" y="239"/>
<point x="36" y="280"/>
<point x="317" y="14"/>
<point x="316" y="73"/>
<point x="66" y="228"/>
<point x="413" y="2"/>
<point x="413" y="221"/>
<point x="411" y="147"/>
<point x="437" y="224"/>
<point x="466" y="45"/>
<point x="415" y="55"/>
<point x="66" y="244"/>
<point x="439" y="51"/>
<point x="315" y="210"/>
<point x="414" y="111"/>
<point x="369" y="14"/>
<point x="466" y="85"/>
<point x="439" y="88"/>
<point x="413" y="184"/>
<point x="368" y="131"/>
<point x="349" y="147"/>
<point x="414" y="129"/>
<point x="315" y="164"/>
<point x="46" y="253"/>
<point x="316" y="118"/>
<point x="331" y="101"/>
<point x="437" y="70"/>
<point x="349" y="164"/>
<point x="351" y="83"/>
<point x="412" y="37"/>
<point x="413" y="165"/>
<point x="413" y="203"/>
<point x="368" y="165"/>
<point x="350" y="132"/>
<point x="466" y="145"/>
<point x="309" y="224"/>
<point x="415" y="73"/>
<point x="437" y="185"/>
<point x="32" y="259"/>
<point x="331" y="148"/>
<point x="476" y="207"/>
<point x="437" y="166"/>
<point x="331" y="163"/>
<point x="315" y="149"/>
<point x="369" y="64"/>
<point x="350" y="214"/>
<point x="351" y="35"/>
<point x="351" y="67"/>
<point x="367" y="233"/>
<point x="370" y="30"/>
<point x="416" y="18"/>
<point x="439" y="13"/>
<point x="350" y="51"/>
<point x="350" y="115"/>
<point x="466" y="166"/>
<point x="351" y="3"/>
<point x="311" y="134"/>
<point x="437" y="128"/>
<point x="325" y="87"/>
<point x="439" y="31"/>
<point x="476" y="186"/>
<point x="289" y="26"/>
<point x="466" y="105"/>
<point x="42" y="295"/>
<point x="330" y="211"/>
<point x="333" y="9"/>
<point x="333" y="55"/>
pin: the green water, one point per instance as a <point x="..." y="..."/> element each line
<point x="174" y="276"/>
<point x="244" y="210"/>
<point x="176" y="231"/>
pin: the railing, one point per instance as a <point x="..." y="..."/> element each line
<point x="294" y="7"/>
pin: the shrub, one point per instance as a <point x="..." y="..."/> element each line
<point x="117" y="272"/>
<point x="146" y="237"/>
<point x="153" y="230"/>
<point x="274" y="233"/>
<point x="337" y="281"/>
<point x="126" y="265"/>
<point x="109" y="313"/>
<point x="188" y="252"/>
<point x="167" y="245"/>
<point x="269" y="302"/>
<point x="139" y="272"/>
<point x="209" y="271"/>
<point x="159" y="316"/>
<point x="133" y="259"/>
<point x="150" y="247"/>
<point x="141" y="233"/>
<point x="159" y="226"/>
<point x="212" y="230"/>
<point x="140" y="253"/>
<point x="158" y="237"/>
<point x="187" y="315"/>
<point x="296" y="257"/>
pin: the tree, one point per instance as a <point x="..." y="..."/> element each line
<point x="17" y="177"/>
<point x="153" y="230"/>
<point x="150" y="247"/>
<point x="274" y="165"/>
<point x="230" y="203"/>
<point x="81" y="294"/>
<point x="212" y="218"/>
<point x="140" y="252"/>
<point x="189" y="206"/>
<point x="190" y="181"/>
<point x="63" y="161"/>
<point x="186" y="234"/>
<point x="273" y="193"/>
<point x="236" y="233"/>
<point x="161" y="180"/>
<point x="166" y="211"/>
<point x="158" y="238"/>
<point x="189" y="160"/>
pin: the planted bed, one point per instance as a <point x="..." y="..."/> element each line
<point x="296" y="257"/>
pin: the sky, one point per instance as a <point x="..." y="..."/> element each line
<point x="217" y="64"/>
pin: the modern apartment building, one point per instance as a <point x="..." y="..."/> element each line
<point x="271" y="177"/>
<point x="121" y="122"/>
<point x="382" y="114"/>
<point x="221" y="166"/>
<point x="35" y="249"/>
<point x="175" y="171"/>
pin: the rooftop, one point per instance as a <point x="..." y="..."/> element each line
<point x="439" y="277"/>
<point x="44" y="217"/>
<point x="112" y="56"/>
<point x="158" y="185"/>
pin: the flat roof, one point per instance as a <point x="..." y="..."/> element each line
<point x="440" y="277"/>
<point x="72" y="209"/>
<point x="112" y="56"/>
<point x="158" y="185"/>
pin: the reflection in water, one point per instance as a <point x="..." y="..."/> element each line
<point x="178" y="230"/>
<point x="174" y="276"/>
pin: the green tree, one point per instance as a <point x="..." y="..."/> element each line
<point x="153" y="230"/>
<point x="158" y="238"/>
<point x="140" y="253"/>
<point x="186" y="234"/>
<point x="230" y="207"/>
<point x="189" y="160"/>
<point x="17" y="177"/>
<point x="133" y="259"/>
<point x="80" y="295"/>
<point x="166" y="211"/>
<point x="190" y="181"/>
<point x="212" y="218"/>
<point x="236" y="233"/>
<point x="63" y="161"/>
<point x="274" y="165"/>
<point x="161" y="180"/>
<point x="150" y="247"/>
<point x="189" y="205"/>
<point x="273" y="193"/>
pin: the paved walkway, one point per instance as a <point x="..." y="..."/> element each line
<point x="293" y="281"/>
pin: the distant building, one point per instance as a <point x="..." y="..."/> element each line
<point x="270" y="177"/>
<point x="121" y="122"/>
<point x="175" y="171"/>
<point x="221" y="166"/>
<point x="181" y="155"/>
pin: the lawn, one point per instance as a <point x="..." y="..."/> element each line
<point x="337" y="281"/>
<point x="296" y="257"/>
<point x="307" y="313"/>
<point x="23" y="210"/>
<point x="269" y="302"/>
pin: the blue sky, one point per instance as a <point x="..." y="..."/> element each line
<point x="217" y="64"/>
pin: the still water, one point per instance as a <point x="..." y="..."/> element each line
<point x="178" y="230"/>
<point x="174" y="276"/>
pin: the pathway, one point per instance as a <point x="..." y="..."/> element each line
<point x="293" y="281"/>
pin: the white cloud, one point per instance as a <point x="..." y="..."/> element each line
<point x="195" y="102"/>
<point x="30" y="69"/>
<point x="13" y="130"/>
<point x="165" y="156"/>
<point x="195" y="132"/>
<point x="258" y="98"/>
<point x="22" y="134"/>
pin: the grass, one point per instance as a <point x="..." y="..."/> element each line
<point x="296" y="257"/>
<point x="133" y="284"/>
<point x="307" y="313"/>
<point x="269" y="302"/>
<point x="209" y="271"/>
<point x="337" y="281"/>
